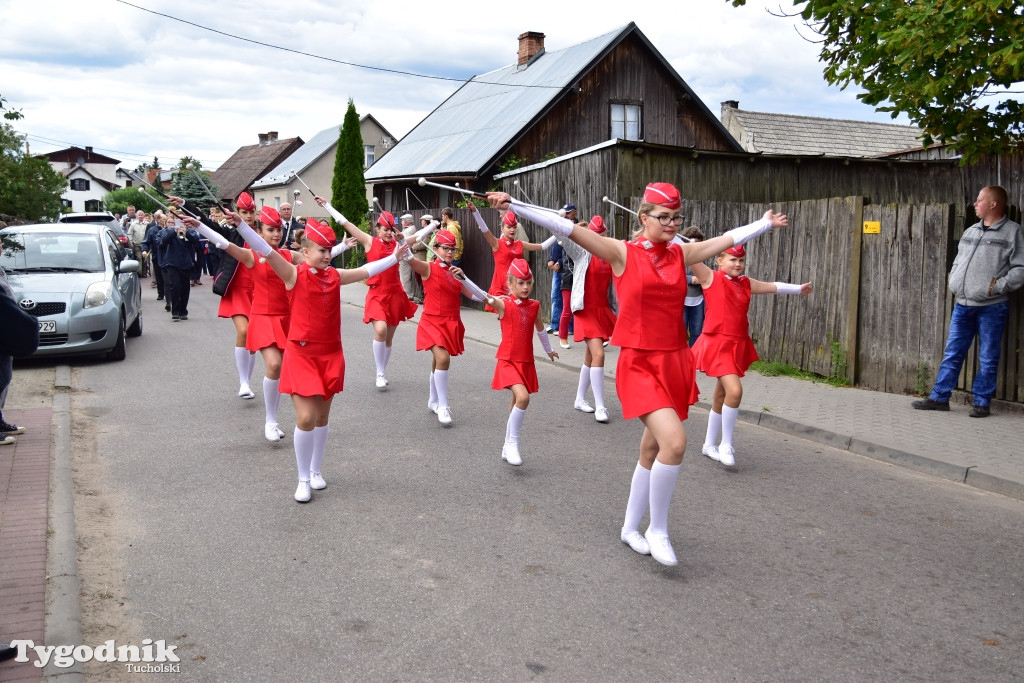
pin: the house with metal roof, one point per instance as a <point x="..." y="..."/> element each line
<point x="789" y="134"/>
<point x="250" y="163"/>
<point x="314" y="163"/>
<point x="546" y="105"/>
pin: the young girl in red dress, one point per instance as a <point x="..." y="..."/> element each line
<point x="314" y="365"/>
<point x="387" y="304"/>
<point x="515" y="369"/>
<point x="655" y="376"/>
<point x="591" y="302"/>
<point x="506" y="249"/>
<point x="440" y="329"/>
<point x="235" y="285"/>
<point x="724" y="349"/>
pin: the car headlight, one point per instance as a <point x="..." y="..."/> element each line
<point x="98" y="294"/>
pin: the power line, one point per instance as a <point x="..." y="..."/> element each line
<point x="329" y="59"/>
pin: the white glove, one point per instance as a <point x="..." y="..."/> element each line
<point x="786" y="288"/>
<point x="558" y="225"/>
<point x="543" y="336"/>
<point x="256" y="242"/>
<point x="749" y="232"/>
<point x="380" y="265"/>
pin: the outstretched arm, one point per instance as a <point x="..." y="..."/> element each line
<point x="365" y="239"/>
<point x="243" y="256"/>
<point x="702" y="251"/>
<point x="482" y="226"/>
<point x="372" y="268"/>
<point x="759" y="287"/>
<point x="282" y="268"/>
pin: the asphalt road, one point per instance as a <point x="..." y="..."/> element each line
<point x="428" y="558"/>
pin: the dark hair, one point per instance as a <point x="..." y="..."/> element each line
<point x="447" y="211"/>
<point x="693" y="232"/>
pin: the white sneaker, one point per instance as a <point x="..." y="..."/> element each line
<point x="601" y="414"/>
<point x="432" y="406"/>
<point x="382" y="382"/>
<point x="510" y="454"/>
<point x="444" y="416"/>
<point x="245" y="391"/>
<point x="581" y="404"/>
<point x="661" y="548"/>
<point x="280" y="433"/>
<point x="710" y="451"/>
<point x="727" y="456"/>
<point x="302" y="494"/>
<point x="316" y="481"/>
<point x="635" y="540"/>
<point x="564" y="343"/>
<point x="271" y="431"/>
<point x="6" y="440"/>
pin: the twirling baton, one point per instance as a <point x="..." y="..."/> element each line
<point x="299" y="178"/>
<point x="624" y="208"/>
<point x="523" y="190"/>
<point x="479" y="195"/>
<point x="192" y="167"/>
<point x="164" y="206"/>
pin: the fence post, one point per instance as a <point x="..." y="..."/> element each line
<point x="853" y="302"/>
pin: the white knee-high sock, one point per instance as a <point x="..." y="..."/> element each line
<point x="663" y="485"/>
<point x="597" y="385"/>
<point x="515" y="423"/>
<point x="639" y="498"/>
<point x="714" y="428"/>
<point x="441" y="384"/>
<point x="584" y="385"/>
<point x="271" y="398"/>
<point x="378" y="356"/>
<point x="729" y="416"/>
<point x="433" y="388"/>
<point x="252" y="364"/>
<point x="387" y="355"/>
<point x="319" y="446"/>
<point x="303" y="452"/>
<point x="242" y="364"/>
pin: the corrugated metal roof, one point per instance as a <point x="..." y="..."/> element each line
<point x="482" y="117"/>
<point x="300" y="159"/>
<point x="790" y="134"/>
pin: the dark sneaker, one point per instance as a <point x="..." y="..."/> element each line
<point x="184" y="317"/>
<point x="980" y="411"/>
<point x="929" y="404"/>
<point x="8" y="428"/>
<point x="175" y="318"/>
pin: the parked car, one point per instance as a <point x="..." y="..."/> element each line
<point x="101" y="217"/>
<point x="79" y="282"/>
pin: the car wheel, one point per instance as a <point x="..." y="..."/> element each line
<point x="120" y="350"/>
<point x="136" y="327"/>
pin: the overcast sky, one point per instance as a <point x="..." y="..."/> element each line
<point x="133" y="84"/>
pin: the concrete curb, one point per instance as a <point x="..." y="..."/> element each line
<point x="64" y="617"/>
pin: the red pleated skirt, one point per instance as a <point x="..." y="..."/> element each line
<point x="266" y="330"/>
<point x="718" y="355"/>
<point x="510" y="372"/>
<point x="388" y="304"/>
<point x="446" y="332"/>
<point x="593" y="323"/>
<point x="316" y="369"/>
<point x="237" y="300"/>
<point x="648" y="380"/>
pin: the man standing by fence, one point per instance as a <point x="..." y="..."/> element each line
<point x="989" y="265"/>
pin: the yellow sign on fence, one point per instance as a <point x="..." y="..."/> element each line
<point x="872" y="227"/>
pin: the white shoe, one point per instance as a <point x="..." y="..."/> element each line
<point x="635" y="540"/>
<point x="302" y="494"/>
<point x="710" y="451"/>
<point x="280" y="433"/>
<point x="581" y="404"/>
<point x="271" y="431"/>
<point x="316" y="481"/>
<point x="432" y="406"/>
<point x="601" y="414"/>
<point x="661" y="548"/>
<point x="382" y="382"/>
<point x="727" y="456"/>
<point x="564" y="343"/>
<point x="510" y="454"/>
<point x="444" y="416"/>
<point x="245" y="391"/>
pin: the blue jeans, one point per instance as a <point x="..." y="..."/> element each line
<point x="556" y="299"/>
<point x="694" y="321"/>
<point x="988" y="322"/>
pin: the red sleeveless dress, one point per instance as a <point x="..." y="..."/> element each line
<point x="386" y="298"/>
<point x="314" y="362"/>
<point x="441" y="320"/>
<point x="268" y="317"/>
<point x="728" y="349"/>
<point x="515" y="353"/>
<point x="595" y="320"/>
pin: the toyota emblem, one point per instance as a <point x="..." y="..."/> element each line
<point x="27" y="304"/>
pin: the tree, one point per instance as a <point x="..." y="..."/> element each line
<point x="119" y="200"/>
<point x="348" y="188"/>
<point x="184" y="184"/>
<point x="29" y="186"/>
<point x="939" y="62"/>
<point x="10" y="114"/>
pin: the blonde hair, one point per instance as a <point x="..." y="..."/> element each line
<point x="645" y="208"/>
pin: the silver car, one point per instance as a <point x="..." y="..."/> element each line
<point x="79" y="282"/>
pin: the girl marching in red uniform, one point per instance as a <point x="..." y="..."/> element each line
<point x="314" y="365"/>
<point x="441" y="330"/>
<point x="505" y="250"/>
<point x="655" y="376"/>
<point x="515" y="369"/>
<point x="387" y="304"/>
<point x="235" y="286"/>
<point x="724" y="349"/>
<point x="591" y="304"/>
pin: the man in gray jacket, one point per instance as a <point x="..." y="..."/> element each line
<point x="989" y="265"/>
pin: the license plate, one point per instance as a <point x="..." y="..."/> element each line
<point x="47" y="325"/>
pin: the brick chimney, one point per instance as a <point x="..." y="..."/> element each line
<point x="531" y="44"/>
<point x="272" y="136"/>
<point x="263" y="138"/>
<point x="729" y="104"/>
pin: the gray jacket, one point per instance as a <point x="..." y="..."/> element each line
<point x="987" y="254"/>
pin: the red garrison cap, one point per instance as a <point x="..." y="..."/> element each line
<point x="509" y="219"/>
<point x="245" y="202"/>
<point x="737" y="251"/>
<point x="386" y="219"/>
<point x="596" y="224"/>
<point x="662" y="194"/>
<point x="520" y="269"/>
<point x="445" y="238"/>
<point x="319" y="233"/>
<point x="270" y="216"/>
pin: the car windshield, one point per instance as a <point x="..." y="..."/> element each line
<point x="57" y="251"/>
<point x="93" y="218"/>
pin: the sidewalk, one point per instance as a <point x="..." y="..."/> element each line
<point x="985" y="453"/>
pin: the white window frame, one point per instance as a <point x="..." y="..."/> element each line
<point x="627" y="119"/>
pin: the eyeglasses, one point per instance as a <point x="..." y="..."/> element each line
<point x="665" y="219"/>
<point x="443" y="248"/>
